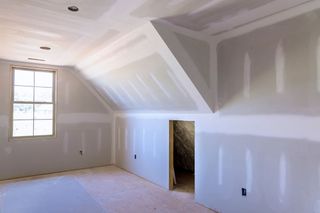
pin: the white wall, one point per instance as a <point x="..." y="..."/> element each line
<point x="265" y="135"/>
<point x="83" y="123"/>
<point x="149" y="141"/>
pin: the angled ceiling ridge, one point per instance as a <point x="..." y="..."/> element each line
<point x="192" y="50"/>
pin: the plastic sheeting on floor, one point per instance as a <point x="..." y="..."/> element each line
<point x="50" y="195"/>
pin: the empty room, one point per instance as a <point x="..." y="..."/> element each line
<point x="133" y="106"/>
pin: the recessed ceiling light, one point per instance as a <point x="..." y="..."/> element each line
<point x="73" y="8"/>
<point x="36" y="59"/>
<point x="45" y="48"/>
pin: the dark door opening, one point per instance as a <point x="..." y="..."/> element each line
<point x="182" y="143"/>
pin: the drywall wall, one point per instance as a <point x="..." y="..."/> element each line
<point x="142" y="147"/>
<point x="271" y="76"/>
<point x="83" y="123"/>
<point x="279" y="67"/>
<point x="265" y="136"/>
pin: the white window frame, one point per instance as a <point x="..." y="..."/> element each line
<point x="54" y="102"/>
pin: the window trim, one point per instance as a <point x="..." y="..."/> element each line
<point x="54" y="102"/>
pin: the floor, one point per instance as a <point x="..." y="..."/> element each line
<point x="185" y="183"/>
<point x="103" y="189"/>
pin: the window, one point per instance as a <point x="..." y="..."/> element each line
<point x="33" y="103"/>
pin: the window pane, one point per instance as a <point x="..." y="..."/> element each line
<point x="43" y="127"/>
<point x="43" y="111"/>
<point x="44" y="79"/>
<point x="23" y="93"/>
<point x="43" y="94"/>
<point x="23" y="78"/>
<point x="23" y="111"/>
<point x="22" y="128"/>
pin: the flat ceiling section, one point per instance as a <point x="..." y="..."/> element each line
<point x="164" y="8"/>
<point x="215" y="11"/>
<point x="87" y="9"/>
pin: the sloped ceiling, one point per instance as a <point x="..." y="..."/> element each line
<point x="114" y="45"/>
<point x="140" y="73"/>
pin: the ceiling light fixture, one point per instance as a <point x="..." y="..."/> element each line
<point x="73" y="8"/>
<point x="45" y="48"/>
<point x="36" y="59"/>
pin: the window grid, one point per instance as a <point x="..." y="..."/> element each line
<point x="34" y="103"/>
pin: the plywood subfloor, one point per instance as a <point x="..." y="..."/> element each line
<point x="185" y="184"/>
<point x="110" y="188"/>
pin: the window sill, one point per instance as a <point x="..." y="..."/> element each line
<point x="32" y="138"/>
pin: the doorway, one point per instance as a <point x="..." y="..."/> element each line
<point x="181" y="156"/>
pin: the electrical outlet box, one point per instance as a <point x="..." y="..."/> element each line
<point x="244" y="192"/>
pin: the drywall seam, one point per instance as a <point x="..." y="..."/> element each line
<point x="318" y="64"/>
<point x="110" y="48"/>
<point x="213" y="87"/>
<point x="113" y="139"/>
<point x="280" y="68"/>
<point x="74" y="118"/>
<point x="269" y="125"/>
<point x="175" y="28"/>
<point x="161" y="112"/>
<point x="246" y="76"/>
<point x="256" y="14"/>
<point x="267" y="21"/>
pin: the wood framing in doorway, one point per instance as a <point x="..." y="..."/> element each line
<point x="171" y="155"/>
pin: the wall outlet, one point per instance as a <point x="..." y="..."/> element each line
<point x="244" y="192"/>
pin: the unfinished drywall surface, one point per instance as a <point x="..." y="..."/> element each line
<point x="142" y="147"/>
<point x="277" y="65"/>
<point x="265" y="140"/>
<point x="73" y="36"/>
<point x="83" y="123"/>
<point x="183" y="145"/>
<point x="192" y="51"/>
<point x="274" y="157"/>
<point x="166" y="8"/>
<point x="265" y="137"/>
<point x="214" y="12"/>
<point x="140" y="73"/>
<point x="110" y="37"/>
<point x="145" y="84"/>
<point x="199" y="52"/>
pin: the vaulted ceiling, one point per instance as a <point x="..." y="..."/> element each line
<point x="134" y="63"/>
